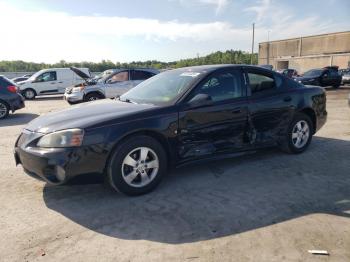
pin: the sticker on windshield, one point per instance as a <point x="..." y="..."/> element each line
<point x="191" y="74"/>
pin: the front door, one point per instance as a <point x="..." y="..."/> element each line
<point x="271" y="107"/>
<point x="215" y="128"/>
<point x="118" y="84"/>
<point x="46" y="83"/>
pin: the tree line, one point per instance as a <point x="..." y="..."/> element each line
<point x="227" y="57"/>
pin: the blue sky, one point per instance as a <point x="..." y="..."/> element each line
<point x="166" y="30"/>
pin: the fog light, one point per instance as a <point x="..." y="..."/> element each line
<point x="60" y="173"/>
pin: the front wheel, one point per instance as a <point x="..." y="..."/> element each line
<point x="137" y="165"/>
<point x="93" y="96"/>
<point x="299" y="134"/>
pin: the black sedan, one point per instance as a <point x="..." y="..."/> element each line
<point x="177" y="117"/>
<point x="328" y="76"/>
<point x="10" y="99"/>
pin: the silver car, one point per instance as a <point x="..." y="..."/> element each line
<point x="110" y="86"/>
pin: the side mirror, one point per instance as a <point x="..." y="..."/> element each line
<point x="200" y="100"/>
<point x="325" y="76"/>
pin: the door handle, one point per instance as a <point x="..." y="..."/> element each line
<point x="60" y="82"/>
<point x="287" y="99"/>
<point x="53" y="83"/>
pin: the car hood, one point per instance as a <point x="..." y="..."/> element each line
<point x="80" y="73"/>
<point x="87" y="115"/>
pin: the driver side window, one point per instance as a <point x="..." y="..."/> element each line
<point x="47" y="77"/>
<point x="119" y="77"/>
<point x="220" y="86"/>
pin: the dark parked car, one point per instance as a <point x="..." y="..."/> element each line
<point x="290" y="73"/>
<point x="328" y="76"/>
<point x="10" y="99"/>
<point x="174" y="118"/>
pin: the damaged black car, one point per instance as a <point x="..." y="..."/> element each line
<point x="177" y="117"/>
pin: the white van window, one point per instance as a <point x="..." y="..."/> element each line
<point x="46" y="77"/>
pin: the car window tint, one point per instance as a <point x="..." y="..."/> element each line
<point x="260" y="83"/>
<point x="140" y="75"/>
<point x="47" y="76"/>
<point x="333" y="73"/>
<point x="220" y="86"/>
<point x="279" y="80"/>
<point x="119" y="77"/>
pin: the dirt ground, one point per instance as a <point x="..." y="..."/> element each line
<point x="267" y="206"/>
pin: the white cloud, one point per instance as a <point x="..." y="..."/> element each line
<point x="261" y="9"/>
<point x="48" y="36"/>
<point x="218" y="4"/>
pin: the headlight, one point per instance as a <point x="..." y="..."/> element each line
<point x="64" y="138"/>
<point x="78" y="88"/>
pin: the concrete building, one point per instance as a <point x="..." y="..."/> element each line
<point x="308" y="52"/>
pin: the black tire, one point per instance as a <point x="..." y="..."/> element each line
<point x="287" y="145"/>
<point x="72" y="103"/>
<point x="114" y="169"/>
<point x="4" y="109"/>
<point x="29" y="93"/>
<point x="93" y="96"/>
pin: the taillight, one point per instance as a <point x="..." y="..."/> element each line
<point x="12" y="89"/>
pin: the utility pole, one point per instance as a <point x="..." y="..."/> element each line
<point x="251" y="57"/>
<point x="268" y="47"/>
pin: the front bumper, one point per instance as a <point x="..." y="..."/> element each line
<point x="58" y="165"/>
<point x="346" y="81"/>
<point x="74" y="97"/>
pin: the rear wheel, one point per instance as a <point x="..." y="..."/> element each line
<point x="93" y="97"/>
<point x="137" y="165"/>
<point x="29" y="94"/>
<point x="299" y="134"/>
<point x="4" y="109"/>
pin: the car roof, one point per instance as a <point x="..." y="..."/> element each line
<point x="210" y="68"/>
<point x="136" y="68"/>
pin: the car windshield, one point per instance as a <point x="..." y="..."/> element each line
<point x="164" y="88"/>
<point x="313" y="73"/>
<point x="34" y="76"/>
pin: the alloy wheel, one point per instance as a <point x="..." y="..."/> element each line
<point x="140" y="167"/>
<point x="300" y="134"/>
<point x="93" y="98"/>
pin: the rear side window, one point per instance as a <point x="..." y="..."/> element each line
<point x="140" y="75"/>
<point x="260" y="83"/>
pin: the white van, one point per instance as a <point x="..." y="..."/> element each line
<point x="51" y="82"/>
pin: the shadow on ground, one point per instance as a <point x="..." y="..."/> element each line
<point x="49" y="97"/>
<point x="222" y="198"/>
<point x="17" y="119"/>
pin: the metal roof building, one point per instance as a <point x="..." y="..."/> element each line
<point x="308" y="52"/>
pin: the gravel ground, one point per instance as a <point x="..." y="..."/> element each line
<point x="266" y="206"/>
